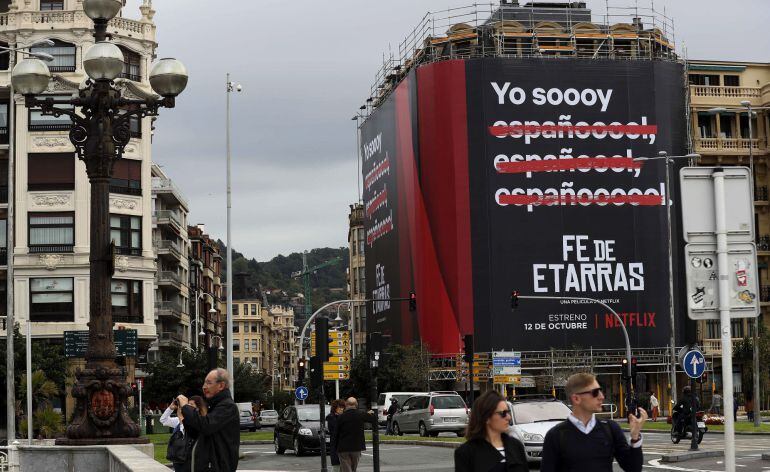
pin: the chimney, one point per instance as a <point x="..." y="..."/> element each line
<point x="202" y="227"/>
<point x="638" y="23"/>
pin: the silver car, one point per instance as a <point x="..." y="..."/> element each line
<point x="268" y="417"/>
<point x="532" y="419"/>
<point x="432" y="414"/>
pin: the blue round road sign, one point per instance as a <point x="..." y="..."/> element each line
<point x="301" y="393"/>
<point x="694" y="364"/>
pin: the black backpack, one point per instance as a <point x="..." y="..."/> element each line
<point x="179" y="447"/>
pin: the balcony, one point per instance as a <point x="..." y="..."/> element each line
<point x="169" y="279"/>
<point x="167" y="189"/>
<point x="722" y="95"/>
<point x="61" y="19"/>
<point x="169" y="309"/>
<point x="714" y="346"/>
<point x="170" y="338"/>
<point x="168" y="218"/>
<point x="735" y="146"/>
<point x="168" y="249"/>
<point x="50" y="248"/>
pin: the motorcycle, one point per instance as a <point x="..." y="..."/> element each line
<point x="684" y="431"/>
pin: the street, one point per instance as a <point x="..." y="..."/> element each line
<point x="396" y="457"/>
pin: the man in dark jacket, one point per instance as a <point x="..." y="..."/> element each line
<point x="583" y="443"/>
<point x="219" y="432"/>
<point x="349" y="435"/>
<point x="392" y="410"/>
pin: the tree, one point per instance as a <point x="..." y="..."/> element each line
<point x="43" y="390"/>
<point x="165" y="380"/>
<point x="252" y="386"/>
<point x="744" y="352"/>
<point x="402" y="369"/>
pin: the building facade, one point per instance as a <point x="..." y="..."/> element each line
<point x="51" y="189"/>
<point x="357" y="274"/>
<point x="205" y="289"/>
<point x="172" y="247"/>
<point x="264" y="337"/>
<point x="720" y="94"/>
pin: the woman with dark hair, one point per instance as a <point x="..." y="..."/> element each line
<point x="489" y="448"/>
<point x="337" y="407"/>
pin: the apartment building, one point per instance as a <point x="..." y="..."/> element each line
<point x="51" y="188"/>
<point x="264" y="337"/>
<point x="205" y="290"/>
<point x="720" y="94"/>
<point x="172" y="247"/>
<point x="357" y="274"/>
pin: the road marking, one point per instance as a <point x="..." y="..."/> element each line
<point x="655" y="464"/>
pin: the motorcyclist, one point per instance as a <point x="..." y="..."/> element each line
<point x="683" y="409"/>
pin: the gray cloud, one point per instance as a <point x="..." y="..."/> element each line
<point x="306" y="66"/>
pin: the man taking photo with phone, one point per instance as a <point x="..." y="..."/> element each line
<point x="583" y="443"/>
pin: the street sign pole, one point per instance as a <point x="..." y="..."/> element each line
<point x="724" y="317"/>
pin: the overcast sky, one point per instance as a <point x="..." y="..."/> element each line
<point x="306" y="66"/>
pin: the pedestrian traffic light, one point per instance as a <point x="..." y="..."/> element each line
<point x="633" y="371"/>
<point x="322" y="339"/>
<point x="514" y="299"/>
<point x="316" y="372"/>
<point x="468" y="348"/>
<point x="301" y="370"/>
<point x="412" y="301"/>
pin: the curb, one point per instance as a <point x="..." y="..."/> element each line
<point x="406" y="442"/>
<point x="737" y="433"/>
<point x="690" y="455"/>
<point x="254" y="442"/>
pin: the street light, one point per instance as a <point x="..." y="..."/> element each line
<point x="100" y="132"/>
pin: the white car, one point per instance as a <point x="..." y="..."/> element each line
<point x="268" y="417"/>
<point x="383" y="403"/>
<point x="532" y="419"/>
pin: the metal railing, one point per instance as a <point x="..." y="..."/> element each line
<point x="54" y="248"/>
<point x="171" y="336"/>
<point x="163" y="215"/>
<point x="168" y="308"/>
<point x="166" y="246"/>
<point x="169" y="277"/>
<point x="714" y="346"/>
<point x="167" y="185"/>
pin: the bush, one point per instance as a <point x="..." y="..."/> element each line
<point x="47" y="424"/>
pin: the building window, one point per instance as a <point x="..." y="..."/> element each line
<point x="126" y="177"/>
<point x="40" y="122"/>
<point x="254" y="327"/>
<point x="236" y="345"/>
<point x="254" y="345"/>
<point x="49" y="171"/>
<point x="131" y="65"/>
<point x="126" y="233"/>
<point x="127" y="301"/>
<point x="732" y="80"/>
<point x="253" y="310"/>
<point x="51" y="299"/>
<point x="246" y="345"/>
<point x="3" y="114"/>
<point x="236" y="327"/>
<point x="63" y="56"/>
<point x="51" y="232"/>
<point x="736" y="328"/>
<point x="235" y="311"/>
<point x="51" y="5"/>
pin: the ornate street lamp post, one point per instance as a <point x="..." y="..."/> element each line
<point x="100" y="131"/>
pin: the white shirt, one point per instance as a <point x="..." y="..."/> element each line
<point x="167" y="420"/>
<point x="653" y="401"/>
<point x="587" y="428"/>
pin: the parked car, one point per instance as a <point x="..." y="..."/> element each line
<point x="268" y="417"/>
<point x="532" y="418"/>
<point x="249" y="421"/>
<point x="383" y="403"/>
<point x="429" y="414"/>
<point x="298" y="429"/>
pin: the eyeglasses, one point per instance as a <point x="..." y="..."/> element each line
<point x="594" y="392"/>
<point x="503" y="413"/>
<point x="212" y="382"/>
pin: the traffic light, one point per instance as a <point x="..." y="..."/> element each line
<point x="633" y="369"/>
<point x="412" y="301"/>
<point x="624" y="369"/>
<point x="322" y="339"/>
<point x="316" y="372"/>
<point x="468" y="348"/>
<point x="514" y="299"/>
<point x="301" y="370"/>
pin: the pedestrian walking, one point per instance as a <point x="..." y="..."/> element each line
<point x="654" y="406"/>
<point x="489" y="448"/>
<point x="349" y="436"/>
<point x="337" y="407"/>
<point x="716" y="401"/>
<point x="181" y="442"/>
<point x="748" y="405"/>
<point x="392" y="410"/>
<point x="219" y="435"/>
<point x="582" y="443"/>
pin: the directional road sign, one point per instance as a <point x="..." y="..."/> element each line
<point x="694" y="364"/>
<point x="301" y="393"/>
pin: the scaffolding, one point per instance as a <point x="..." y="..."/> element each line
<point x="535" y="29"/>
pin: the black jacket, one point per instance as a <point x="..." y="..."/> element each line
<point x="567" y="449"/>
<point x="219" y="434"/>
<point x="349" y="435"/>
<point x="331" y="425"/>
<point x="478" y="455"/>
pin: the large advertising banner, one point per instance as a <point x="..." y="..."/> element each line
<point x="562" y="204"/>
<point x="486" y="176"/>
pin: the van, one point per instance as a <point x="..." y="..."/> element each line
<point x="383" y="403"/>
